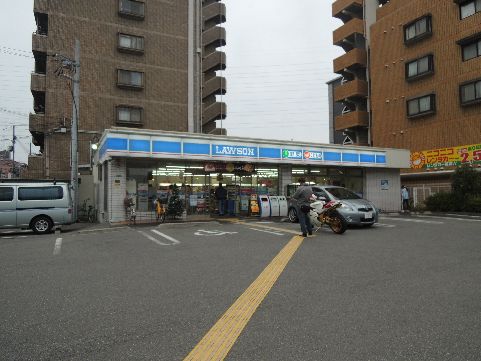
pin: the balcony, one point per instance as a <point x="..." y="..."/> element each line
<point x="214" y="36"/>
<point x="214" y="112"/>
<point x="214" y="86"/>
<point x="347" y="9"/>
<point x="348" y="31"/>
<point x="355" y="58"/>
<point x="37" y="123"/>
<point x="214" y="61"/>
<point x="40" y="6"/>
<point x="352" y="120"/>
<point x="39" y="42"/>
<point x="214" y="13"/>
<point x="352" y="89"/>
<point x="36" y="167"/>
<point x="38" y="82"/>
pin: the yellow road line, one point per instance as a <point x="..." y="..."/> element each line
<point x="216" y="344"/>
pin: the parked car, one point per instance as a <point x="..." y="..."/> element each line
<point x="356" y="210"/>
<point x="39" y="206"/>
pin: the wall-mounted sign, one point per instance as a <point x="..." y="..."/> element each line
<point x="206" y="149"/>
<point x="446" y="157"/>
<point x="229" y="167"/>
<point x="384" y="184"/>
<point x="234" y="151"/>
<point x="292" y="154"/>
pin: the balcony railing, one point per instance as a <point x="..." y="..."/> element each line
<point x="352" y="120"/>
<point x="355" y="58"/>
<point x="352" y="6"/>
<point x="214" y="12"/>
<point x="39" y="42"/>
<point x="346" y="31"/>
<point x="215" y="35"/>
<point x="38" y="82"/>
<point x="352" y="89"/>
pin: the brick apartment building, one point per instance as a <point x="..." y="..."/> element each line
<point x="412" y="79"/>
<point x="144" y="64"/>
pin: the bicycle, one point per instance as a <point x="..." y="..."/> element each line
<point x="132" y="215"/>
<point x="161" y="213"/>
<point x="92" y="214"/>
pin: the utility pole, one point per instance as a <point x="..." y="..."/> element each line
<point x="14" y="139"/>
<point x="70" y="69"/>
<point x="75" y="114"/>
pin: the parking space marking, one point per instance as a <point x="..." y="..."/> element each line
<point x="155" y="240"/>
<point x="413" y="220"/>
<point x="173" y="240"/>
<point x="257" y="225"/>
<point x="218" y="341"/>
<point x="58" y="245"/>
<point x="384" y="225"/>
<point x="266" y="231"/>
<point x="203" y="232"/>
<point x="451" y="218"/>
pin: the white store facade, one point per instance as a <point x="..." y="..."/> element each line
<point x="144" y="164"/>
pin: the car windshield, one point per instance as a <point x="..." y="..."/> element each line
<point x="343" y="193"/>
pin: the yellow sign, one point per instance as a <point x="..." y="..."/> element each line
<point x="446" y="157"/>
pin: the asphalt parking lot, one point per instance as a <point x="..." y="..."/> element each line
<point x="406" y="289"/>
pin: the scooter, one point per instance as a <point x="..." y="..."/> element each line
<point x="326" y="213"/>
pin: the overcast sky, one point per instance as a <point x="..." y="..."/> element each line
<point x="279" y="57"/>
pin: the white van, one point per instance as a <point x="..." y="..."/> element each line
<point x="39" y="206"/>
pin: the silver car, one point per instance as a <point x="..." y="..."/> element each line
<point x="356" y="210"/>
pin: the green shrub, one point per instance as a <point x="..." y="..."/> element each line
<point x="473" y="204"/>
<point x="441" y="202"/>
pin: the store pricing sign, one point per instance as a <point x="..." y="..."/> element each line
<point x="291" y="154"/>
<point x="313" y="155"/>
<point x="446" y="157"/>
<point x="234" y="151"/>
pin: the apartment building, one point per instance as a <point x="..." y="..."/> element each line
<point x="143" y="64"/>
<point x="412" y="80"/>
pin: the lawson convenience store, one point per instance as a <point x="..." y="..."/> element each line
<point x="145" y="164"/>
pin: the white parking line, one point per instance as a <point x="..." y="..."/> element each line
<point x="155" y="240"/>
<point x="58" y="245"/>
<point x="384" y="225"/>
<point x="271" y="232"/>
<point x="413" y="220"/>
<point x="452" y="218"/>
<point x="173" y="240"/>
<point x="461" y="215"/>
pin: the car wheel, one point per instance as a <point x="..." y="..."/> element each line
<point x="292" y="214"/>
<point x="42" y="225"/>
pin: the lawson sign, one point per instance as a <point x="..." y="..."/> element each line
<point x="234" y="151"/>
<point x="158" y="147"/>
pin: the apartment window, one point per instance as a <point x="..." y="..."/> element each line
<point x="470" y="92"/>
<point x="471" y="49"/>
<point x="421" y="106"/>
<point x="420" y="67"/>
<point x="131" y="43"/>
<point x="132" y="8"/>
<point x="129" y="78"/>
<point x="418" y="29"/>
<point x="468" y="8"/>
<point x="129" y="115"/>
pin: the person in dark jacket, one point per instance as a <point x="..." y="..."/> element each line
<point x="303" y="196"/>
<point x="221" y="196"/>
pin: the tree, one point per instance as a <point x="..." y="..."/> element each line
<point x="175" y="206"/>
<point x="466" y="181"/>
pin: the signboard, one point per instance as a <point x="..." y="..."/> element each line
<point x="385" y="184"/>
<point x="229" y="167"/>
<point x="446" y="157"/>
<point x="209" y="150"/>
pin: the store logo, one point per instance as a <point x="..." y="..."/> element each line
<point x="234" y="151"/>
<point x="313" y="155"/>
<point x="291" y="154"/>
